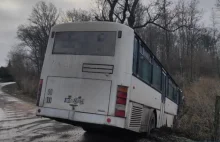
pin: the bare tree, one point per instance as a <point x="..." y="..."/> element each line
<point x="193" y="32"/>
<point x="181" y="9"/>
<point x="217" y="4"/>
<point x="76" y="15"/>
<point x="165" y="21"/>
<point x="35" y="34"/>
<point x="130" y="12"/>
<point x="133" y="13"/>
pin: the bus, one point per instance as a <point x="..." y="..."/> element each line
<point x="103" y="74"/>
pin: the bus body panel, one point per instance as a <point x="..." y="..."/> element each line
<point x="159" y="114"/>
<point x="144" y="94"/>
<point x="68" y="69"/>
<point x="169" y="120"/>
<point x="150" y="99"/>
<point x="162" y="116"/>
<point x="89" y="95"/>
<point x="81" y="117"/>
<point x="53" y="113"/>
<point x="170" y="107"/>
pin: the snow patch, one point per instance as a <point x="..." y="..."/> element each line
<point x="2" y="114"/>
<point x="7" y="83"/>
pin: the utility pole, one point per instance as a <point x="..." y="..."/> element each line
<point x="217" y="119"/>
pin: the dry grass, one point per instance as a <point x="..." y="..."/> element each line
<point x="29" y="86"/>
<point x="196" y="119"/>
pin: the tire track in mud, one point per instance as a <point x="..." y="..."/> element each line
<point x="19" y="123"/>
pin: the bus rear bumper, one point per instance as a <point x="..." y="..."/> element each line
<point x="81" y="117"/>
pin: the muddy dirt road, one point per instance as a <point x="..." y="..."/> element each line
<point x="18" y="123"/>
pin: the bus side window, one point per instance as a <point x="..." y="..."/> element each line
<point x="163" y="85"/>
<point x="144" y="66"/>
<point x="157" y="71"/>
<point x="175" y="94"/>
<point x="167" y="86"/>
<point x="178" y="96"/>
<point x="170" y="92"/>
<point x="135" y="56"/>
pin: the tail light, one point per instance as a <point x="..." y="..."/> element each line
<point x="39" y="91"/>
<point x="121" y="101"/>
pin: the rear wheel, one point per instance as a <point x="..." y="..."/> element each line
<point x="88" y="129"/>
<point x="91" y="129"/>
<point x="152" y="124"/>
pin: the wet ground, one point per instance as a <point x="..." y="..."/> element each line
<point x="18" y="123"/>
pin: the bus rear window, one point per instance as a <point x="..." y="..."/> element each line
<point x="85" y="43"/>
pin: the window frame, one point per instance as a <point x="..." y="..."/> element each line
<point x="155" y="61"/>
<point x="153" y="57"/>
<point x="168" y="93"/>
<point x="175" y="89"/>
<point x="54" y="42"/>
<point x="149" y="60"/>
<point x="135" y="70"/>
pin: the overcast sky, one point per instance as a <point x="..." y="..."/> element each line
<point x="16" y="12"/>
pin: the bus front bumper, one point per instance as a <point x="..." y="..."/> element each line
<point x="81" y="117"/>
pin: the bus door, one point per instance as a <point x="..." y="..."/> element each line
<point x="163" y="97"/>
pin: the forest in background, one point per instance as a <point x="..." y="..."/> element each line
<point x="174" y="32"/>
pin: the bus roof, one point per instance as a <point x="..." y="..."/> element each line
<point x="92" y="23"/>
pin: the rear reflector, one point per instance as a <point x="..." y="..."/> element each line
<point x="123" y="89"/>
<point x="120" y="107"/>
<point x="121" y="100"/>
<point x="39" y="91"/>
<point x="119" y="113"/>
<point x="122" y="95"/>
<point x="108" y="120"/>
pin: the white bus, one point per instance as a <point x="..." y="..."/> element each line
<point x="103" y="74"/>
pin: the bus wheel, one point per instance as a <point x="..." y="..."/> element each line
<point x="152" y="123"/>
<point x="90" y="129"/>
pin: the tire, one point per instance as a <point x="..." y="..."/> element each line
<point x="152" y="123"/>
<point x="91" y="129"/>
<point x="88" y="129"/>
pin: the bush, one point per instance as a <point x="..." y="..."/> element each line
<point x="23" y="71"/>
<point x="5" y="76"/>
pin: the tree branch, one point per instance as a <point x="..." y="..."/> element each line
<point x="124" y="11"/>
<point x="112" y="8"/>
<point x="158" y="25"/>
